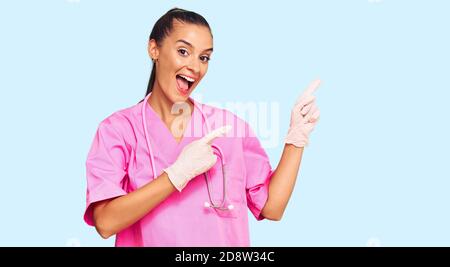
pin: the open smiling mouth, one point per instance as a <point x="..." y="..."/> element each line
<point x="184" y="83"/>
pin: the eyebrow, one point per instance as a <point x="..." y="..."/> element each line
<point x="189" y="44"/>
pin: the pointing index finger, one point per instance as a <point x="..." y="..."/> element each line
<point x="310" y="90"/>
<point x="216" y="133"/>
<point x="312" y="87"/>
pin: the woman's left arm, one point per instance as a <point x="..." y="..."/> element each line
<point x="304" y="117"/>
<point x="282" y="182"/>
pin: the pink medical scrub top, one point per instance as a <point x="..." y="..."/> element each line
<point x="119" y="162"/>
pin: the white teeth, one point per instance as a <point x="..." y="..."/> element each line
<point x="187" y="78"/>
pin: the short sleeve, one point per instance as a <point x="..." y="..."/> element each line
<point x="105" y="166"/>
<point x="258" y="174"/>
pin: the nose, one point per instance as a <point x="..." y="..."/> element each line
<point x="194" y="66"/>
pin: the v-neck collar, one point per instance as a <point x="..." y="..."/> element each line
<point x="154" y="117"/>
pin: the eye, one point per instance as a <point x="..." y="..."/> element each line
<point x="205" y="58"/>
<point x="182" y="52"/>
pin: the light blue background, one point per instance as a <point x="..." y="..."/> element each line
<point x="376" y="172"/>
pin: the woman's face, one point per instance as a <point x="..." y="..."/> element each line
<point x="182" y="59"/>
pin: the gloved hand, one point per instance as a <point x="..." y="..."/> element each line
<point x="195" y="158"/>
<point x="304" y="117"/>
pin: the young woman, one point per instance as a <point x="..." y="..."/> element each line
<point x="155" y="178"/>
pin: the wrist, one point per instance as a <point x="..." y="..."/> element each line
<point x="177" y="179"/>
<point x="296" y="138"/>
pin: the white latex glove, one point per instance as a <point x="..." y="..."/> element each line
<point x="195" y="158"/>
<point x="304" y="117"/>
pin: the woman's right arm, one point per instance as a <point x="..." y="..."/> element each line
<point x="113" y="215"/>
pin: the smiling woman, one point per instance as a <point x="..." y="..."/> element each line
<point x="144" y="183"/>
<point x="180" y="46"/>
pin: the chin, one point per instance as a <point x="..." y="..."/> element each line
<point x="183" y="96"/>
<point x="179" y="98"/>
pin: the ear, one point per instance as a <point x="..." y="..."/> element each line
<point x="153" y="51"/>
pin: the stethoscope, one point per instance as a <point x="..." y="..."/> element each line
<point x="216" y="150"/>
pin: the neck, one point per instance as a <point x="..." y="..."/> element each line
<point x="162" y="105"/>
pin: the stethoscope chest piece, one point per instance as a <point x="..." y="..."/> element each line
<point x="229" y="207"/>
